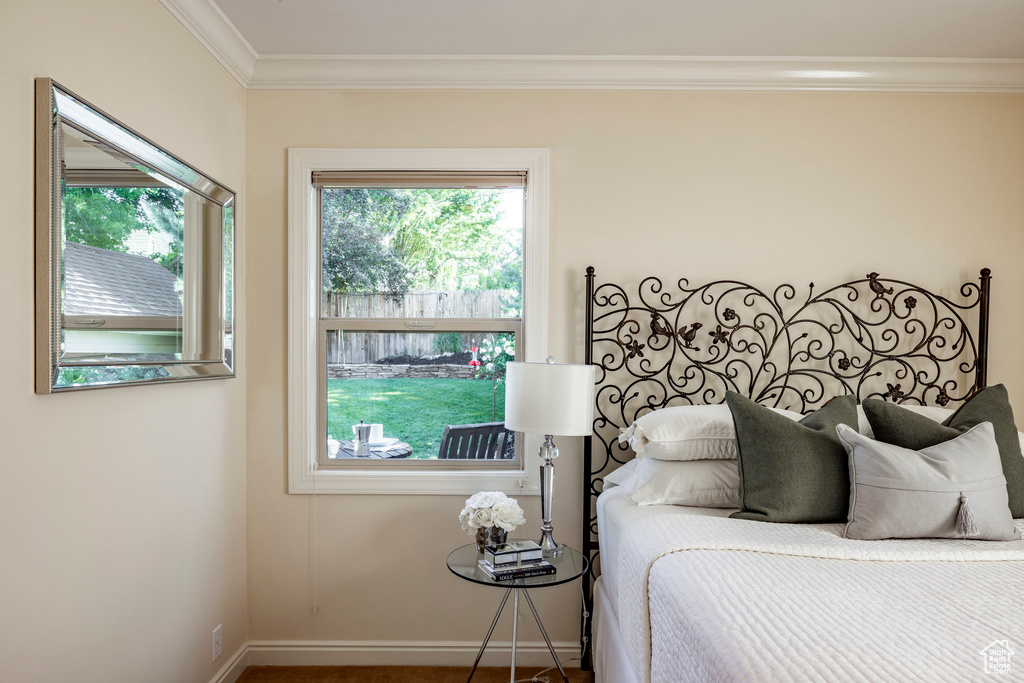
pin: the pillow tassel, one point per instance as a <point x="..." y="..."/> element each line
<point x="965" y="524"/>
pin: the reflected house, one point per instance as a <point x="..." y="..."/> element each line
<point x="118" y="303"/>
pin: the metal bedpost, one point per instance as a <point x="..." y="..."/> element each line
<point x="587" y="663"/>
<point x="986" y="283"/>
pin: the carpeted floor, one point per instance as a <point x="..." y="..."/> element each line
<point x="400" y="674"/>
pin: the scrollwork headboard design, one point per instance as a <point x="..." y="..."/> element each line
<point x="659" y="346"/>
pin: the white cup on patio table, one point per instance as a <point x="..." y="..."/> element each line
<point x="376" y="433"/>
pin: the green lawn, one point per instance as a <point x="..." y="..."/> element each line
<point x="413" y="410"/>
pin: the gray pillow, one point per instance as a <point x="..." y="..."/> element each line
<point x="792" y="471"/>
<point x="955" y="489"/>
<point x="896" y="425"/>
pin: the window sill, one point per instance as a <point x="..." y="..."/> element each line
<point x="385" y="482"/>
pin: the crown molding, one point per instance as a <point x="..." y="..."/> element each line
<point x="529" y="72"/>
<point x="207" y="23"/>
<point x="636" y="73"/>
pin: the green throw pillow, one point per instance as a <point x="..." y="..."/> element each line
<point x="792" y="471"/>
<point x="900" y="427"/>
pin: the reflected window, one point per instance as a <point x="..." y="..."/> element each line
<point x="123" y="272"/>
<point x="136" y="254"/>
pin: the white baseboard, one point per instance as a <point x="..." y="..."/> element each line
<point x="392" y="653"/>
<point x="233" y="668"/>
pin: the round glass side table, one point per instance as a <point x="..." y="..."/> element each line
<point x="570" y="565"/>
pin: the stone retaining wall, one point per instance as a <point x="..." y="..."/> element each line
<point x="371" y="371"/>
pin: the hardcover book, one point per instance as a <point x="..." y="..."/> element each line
<point x="538" y="568"/>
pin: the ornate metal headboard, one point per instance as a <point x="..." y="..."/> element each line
<point x="656" y="347"/>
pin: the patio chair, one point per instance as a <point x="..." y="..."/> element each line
<point x="487" y="441"/>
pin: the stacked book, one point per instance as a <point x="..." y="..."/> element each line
<point x="515" y="560"/>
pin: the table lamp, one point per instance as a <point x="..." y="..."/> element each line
<point x="549" y="399"/>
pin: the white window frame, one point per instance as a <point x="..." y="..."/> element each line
<point x="303" y="314"/>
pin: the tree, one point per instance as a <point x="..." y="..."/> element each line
<point x="167" y="218"/>
<point x="105" y="217"/>
<point x="449" y="241"/>
<point x="357" y="229"/>
<point x="392" y="240"/>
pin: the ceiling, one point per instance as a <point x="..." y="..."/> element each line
<point x="747" y="28"/>
<point x="860" y="45"/>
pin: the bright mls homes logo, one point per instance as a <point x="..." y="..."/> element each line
<point x="997" y="657"/>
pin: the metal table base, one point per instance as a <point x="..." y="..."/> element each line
<point x="515" y="629"/>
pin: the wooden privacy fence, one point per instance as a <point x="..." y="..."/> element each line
<point x="368" y="347"/>
<point x="479" y="304"/>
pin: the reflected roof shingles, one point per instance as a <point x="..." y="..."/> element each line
<point x="103" y="282"/>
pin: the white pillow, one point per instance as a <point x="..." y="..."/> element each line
<point x="696" y="483"/>
<point x="933" y="412"/>
<point x="687" y="433"/>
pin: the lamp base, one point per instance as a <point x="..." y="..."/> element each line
<point x="547" y="452"/>
<point x="548" y="546"/>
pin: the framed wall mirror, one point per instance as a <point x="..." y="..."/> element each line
<point x="134" y="255"/>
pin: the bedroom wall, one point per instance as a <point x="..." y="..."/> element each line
<point x="768" y="187"/>
<point x="122" y="511"/>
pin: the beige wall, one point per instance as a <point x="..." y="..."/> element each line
<point x="122" y="511"/>
<point x="768" y="187"/>
<point x="123" y="515"/>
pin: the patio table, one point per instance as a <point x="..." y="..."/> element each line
<point x="399" y="449"/>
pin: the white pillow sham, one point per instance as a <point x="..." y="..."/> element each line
<point x="695" y="483"/>
<point x="687" y="433"/>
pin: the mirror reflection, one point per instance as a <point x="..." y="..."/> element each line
<point x="141" y="256"/>
<point x="123" y="261"/>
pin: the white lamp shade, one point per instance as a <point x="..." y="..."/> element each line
<point x="549" y="398"/>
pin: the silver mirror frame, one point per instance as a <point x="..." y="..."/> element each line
<point x="49" y="249"/>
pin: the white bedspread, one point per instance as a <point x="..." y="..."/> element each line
<point x="709" y="599"/>
<point x="616" y="516"/>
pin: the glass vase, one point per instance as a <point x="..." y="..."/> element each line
<point x="490" y="535"/>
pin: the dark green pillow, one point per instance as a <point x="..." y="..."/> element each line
<point x="900" y="427"/>
<point x="792" y="471"/>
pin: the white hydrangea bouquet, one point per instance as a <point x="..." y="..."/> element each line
<point x="490" y="515"/>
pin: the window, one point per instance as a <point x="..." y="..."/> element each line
<point x="415" y="275"/>
<point x="420" y="309"/>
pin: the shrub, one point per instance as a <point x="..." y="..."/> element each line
<point x="448" y="342"/>
<point x="495" y="353"/>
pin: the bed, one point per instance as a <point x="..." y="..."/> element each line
<point x="687" y="593"/>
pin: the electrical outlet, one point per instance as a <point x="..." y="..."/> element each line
<point x="216" y="643"/>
